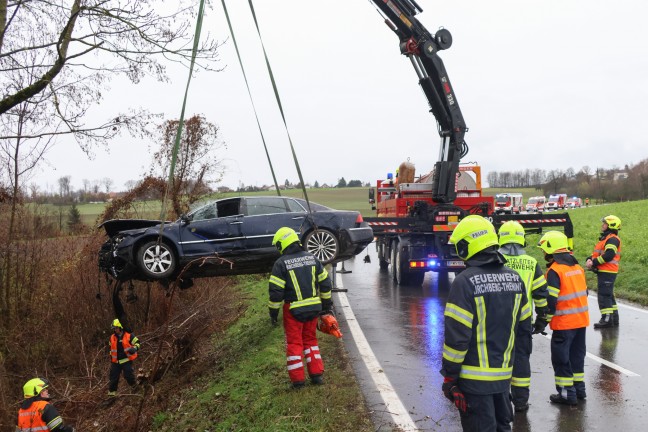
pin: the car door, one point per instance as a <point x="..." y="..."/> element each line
<point x="264" y="216"/>
<point x="213" y="229"/>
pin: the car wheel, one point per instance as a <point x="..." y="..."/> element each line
<point x="156" y="261"/>
<point x="323" y="244"/>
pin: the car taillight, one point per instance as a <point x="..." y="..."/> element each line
<point x="359" y="219"/>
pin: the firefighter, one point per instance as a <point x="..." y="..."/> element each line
<point x="512" y="243"/>
<point x="123" y="351"/>
<point x="36" y="412"/>
<point x="605" y="262"/>
<point x="301" y="282"/>
<point x="487" y="308"/>
<point x="568" y="298"/>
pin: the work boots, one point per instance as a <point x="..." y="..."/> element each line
<point x="558" y="399"/>
<point x="606" y="321"/>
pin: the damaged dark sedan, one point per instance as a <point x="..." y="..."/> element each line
<point x="228" y="237"/>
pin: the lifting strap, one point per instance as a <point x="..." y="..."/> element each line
<point x="276" y="92"/>
<point x="238" y="54"/>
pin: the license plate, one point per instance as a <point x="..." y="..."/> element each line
<point x="455" y="264"/>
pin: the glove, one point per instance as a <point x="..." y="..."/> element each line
<point x="274" y="316"/>
<point x="131" y="350"/>
<point x="327" y="306"/>
<point x="539" y="325"/>
<point x="453" y="393"/>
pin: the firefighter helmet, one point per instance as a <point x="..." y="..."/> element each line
<point x="613" y="222"/>
<point x="34" y="387"/>
<point x="511" y="232"/>
<point x="284" y="237"/>
<point x="554" y="241"/>
<point x="473" y="234"/>
<point x="117" y="324"/>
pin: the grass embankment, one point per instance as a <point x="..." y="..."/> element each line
<point x="249" y="387"/>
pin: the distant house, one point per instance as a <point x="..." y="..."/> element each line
<point x="620" y="175"/>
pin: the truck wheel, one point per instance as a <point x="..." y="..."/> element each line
<point x="394" y="263"/>
<point x="383" y="262"/>
<point x="403" y="275"/>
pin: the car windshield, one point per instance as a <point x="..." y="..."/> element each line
<point x="533" y="200"/>
<point x="502" y="200"/>
<point x="553" y="200"/>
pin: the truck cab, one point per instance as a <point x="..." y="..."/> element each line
<point x="536" y="204"/>
<point x="508" y="203"/>
<point x="574" y="202"/>
<point x="557" y="201"/>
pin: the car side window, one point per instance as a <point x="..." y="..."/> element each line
<point x="265" y="205"/>
<point x="294" y="206"/>
<point x="229" y="207"/>
<point x="207" y="212"/>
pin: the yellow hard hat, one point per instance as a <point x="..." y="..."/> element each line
<point x="116" y="323"/>
<point x="554" y="241"/>
<point x="284" y="237"/>
<point x="473" y="234"/>
<point x="34" y="387"/>
<point x="613" y="222"/>
<point x="511" y="232"/>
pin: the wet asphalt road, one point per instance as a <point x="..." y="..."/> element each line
<point x="404" y="328"/>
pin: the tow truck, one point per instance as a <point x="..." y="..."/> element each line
<point x="416" y="216"/>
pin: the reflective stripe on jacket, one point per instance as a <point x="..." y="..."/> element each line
<point x="126" y="343"/>
<point x="568" y="286"/>
<point x="299" y="279"/>
<point x="487" y="306"/>
<point x="31" y="419"/>
<point x="611" y="266"/>
<point x="531" y="274"/>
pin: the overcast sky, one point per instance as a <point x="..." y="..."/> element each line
<point x="547" y="84"/>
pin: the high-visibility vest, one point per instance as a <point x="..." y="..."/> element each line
<point x="126" y="337"/>
<point x="571" y="305"/>
<point x="599" y="249"/>
<point x="31" y="419"/>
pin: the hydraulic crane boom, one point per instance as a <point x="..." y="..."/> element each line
<point x="422" y="48"/>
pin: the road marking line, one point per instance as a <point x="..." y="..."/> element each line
<point x="394" y="405"/>
<point x="609" y="364"/>
<point x="636" y="309"/>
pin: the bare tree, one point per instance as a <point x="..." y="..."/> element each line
<point x="107" y="183"/>
<point x="197" y="164"/>
<point x="65" y="186"/>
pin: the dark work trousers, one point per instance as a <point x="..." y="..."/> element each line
<point x="521" y="370"/>
<point x="568" y="360"/>
<point x="115" y="371"/>
<point x="605" y="286"/>
<point x="487" y="413"/>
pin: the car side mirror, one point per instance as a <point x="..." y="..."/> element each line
<point x="185" y="219"/>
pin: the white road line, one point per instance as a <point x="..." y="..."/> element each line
<point x="636" y="309"/>
<point x="609" y="364"/>
<point x="393" y="404"/>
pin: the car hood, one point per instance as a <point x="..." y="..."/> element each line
<point x="115" y="226"/>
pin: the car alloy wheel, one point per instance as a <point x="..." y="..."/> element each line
<point x="156" y="261"/>
<point x="323" y="244"/>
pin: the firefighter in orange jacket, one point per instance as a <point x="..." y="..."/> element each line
<point x="568" y="298"/>
<point x="605" y="262"/>
<point x="36" y="412"/>
<point x="301" y="282"/>
<point x="123" y="350"/>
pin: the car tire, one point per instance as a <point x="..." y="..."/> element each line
<point x="323" y="244"/>
<point x="156" y="261"/>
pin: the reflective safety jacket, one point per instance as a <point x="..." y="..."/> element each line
<point x="118" y="347"/>
<point x="299" y="279"/>
<point x="530" y="272"/>
<point x="567" y="293"/>
<point x="607" y="253"/>
<point x="487" y="308"/>
<point x="37" y="414"/>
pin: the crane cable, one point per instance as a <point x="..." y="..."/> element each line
<point x="276" y="92"/>
<point x="238" y="54"/>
